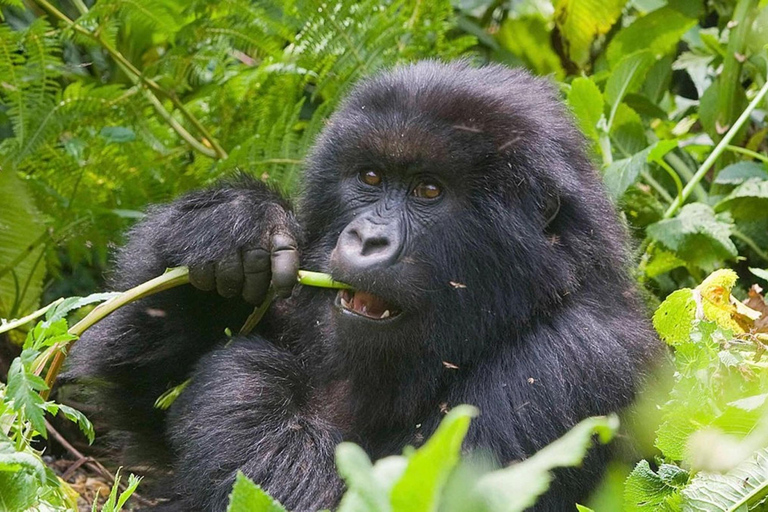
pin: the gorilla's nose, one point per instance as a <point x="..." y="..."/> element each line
<point x="366" y="244"/>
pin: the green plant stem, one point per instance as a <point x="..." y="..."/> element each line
<point x="320" y="280"/>
<point x="715" y="154"/>
<point x="170" y="279"/>
<point x="15" y="324"/>
<point x="656" y="186"/>
<point x="132" y="71"/>
<point x="686" y="174"/>
<point x="258" y="313"/>
<point x="750" y="243"/>
<point x="748" y="152"/>
<point x="730" y="78"/>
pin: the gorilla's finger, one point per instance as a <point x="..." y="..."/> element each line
<point x="255" y="287"/>
<point x="256" y="261"/>
<point x="202" y="276"/>
<point x="285" y="264"/>
<point x="229" y="276"/>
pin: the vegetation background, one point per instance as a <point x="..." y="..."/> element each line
<point x="109" y="105"/>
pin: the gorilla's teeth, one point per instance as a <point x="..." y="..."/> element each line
<point x="385" y="314"/>
<point x="345" y="303"/>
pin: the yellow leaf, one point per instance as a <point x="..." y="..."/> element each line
<point x="720" y="306"/>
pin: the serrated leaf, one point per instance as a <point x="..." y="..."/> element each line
<point x="662" y="262"/>
<point x="75" y="416"/>
<point x="658" y="31"/>
<point x="586" y="102"/>
<point x="738" y="173"/>
<point x="674" y="318"/>
<point x="646" y="490"/>
<point x="428" y="468"/>
<point x="735" y="491"/>
<point x="61" y="310"/>
<point x="23" y="388"/>
<point x="696" y="235"/>
<point x="748" y="201"/>
<point x="627" y="131"/>
<point x="620" y="174"/>
<point x="246" y="496"/>
<point x="581" y="21"/>
<point x="517" y="487"/>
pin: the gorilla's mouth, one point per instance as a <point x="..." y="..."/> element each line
<point x="365" y="304"/>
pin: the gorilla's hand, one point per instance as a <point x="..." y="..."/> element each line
<point x="249" y="269"/>
<point x="234" y="240"/>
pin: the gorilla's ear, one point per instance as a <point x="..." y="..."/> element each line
<point x="551" y="208"/>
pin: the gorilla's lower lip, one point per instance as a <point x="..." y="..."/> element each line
<point x="365" y="304"/>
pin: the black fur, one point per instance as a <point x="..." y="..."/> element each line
<point x="517" y="275"/>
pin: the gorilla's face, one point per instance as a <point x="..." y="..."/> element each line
<point x="450" y="205"/>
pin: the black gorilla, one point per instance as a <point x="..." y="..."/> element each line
<point x="490" y="270"/>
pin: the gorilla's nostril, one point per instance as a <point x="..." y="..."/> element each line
<point x="374" y="246"/>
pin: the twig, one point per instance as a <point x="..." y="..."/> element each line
<point x="132" y="70"/>
<point x="90" y="463"/>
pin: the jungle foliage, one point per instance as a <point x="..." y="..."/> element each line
<point x="109" y="105"/>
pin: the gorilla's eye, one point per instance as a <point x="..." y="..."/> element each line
<point x="371" y="177"/>
<point x="427" y="191"/>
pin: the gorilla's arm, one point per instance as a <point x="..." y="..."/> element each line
<point x="250" y="407"/>
<point x="146" y="347"/>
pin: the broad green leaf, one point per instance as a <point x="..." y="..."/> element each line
<point x="627" y="132"/>
<point x="736" y="174"/>
<point x="628" y="76"/>
<point x="586" y="102"/>
<point x="658" y="31"/>
<point x="748" y="201"/>
<point x="418" y="490"/>
<point x="23" y="389"/>
<point x="364" y="492"/>
<point x="18" y="491"/>
<point x="745" y="485"/>
<point x="581" y="21"/>
<point x="517" y="487"/>
<point x="662" y="262"/>
<point x="696" y="235"/>
<point x="20" y="226"/>
<point x="248" y="497"/>
<point x="674" y="318"/>
<point x="528" y="38"/>
<point x="646" y="490"/>
<point x="620" y="174"/>
<point x="760" y="272"/>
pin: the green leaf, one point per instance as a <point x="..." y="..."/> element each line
<point x="71" y="303"/>
<point x="581" y="21"/>
<point x="364" y="491"/>
<point x="658" y="31"/>
<point x="248" y="497"/>
<point x="20" y="225"/>
<point x="748" y="201"/>
<point x="746" y="484"/>
<point x="627" y="131"/>
<point x="738" y="173"/>
<point x="674" y="318"/>
<point x="428" y="468"/>
<point x="517" y="487"/>
<point x="696" y="235"/>
<point x="628" y="76"/>
<point x="759" y="272"/>
<point x="75" y="416"/>
<point x="118" y="134"/>
<point x="18" y="491"/>
<point x="620" y="174"/>
<point x="23" y="389"/>
<point x="586" y="102"/>
<point x="652" y="492"/>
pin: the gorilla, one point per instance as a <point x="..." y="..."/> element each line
<point x="488" y="268"/>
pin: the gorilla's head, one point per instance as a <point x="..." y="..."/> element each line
<point x="459" y="202"/>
